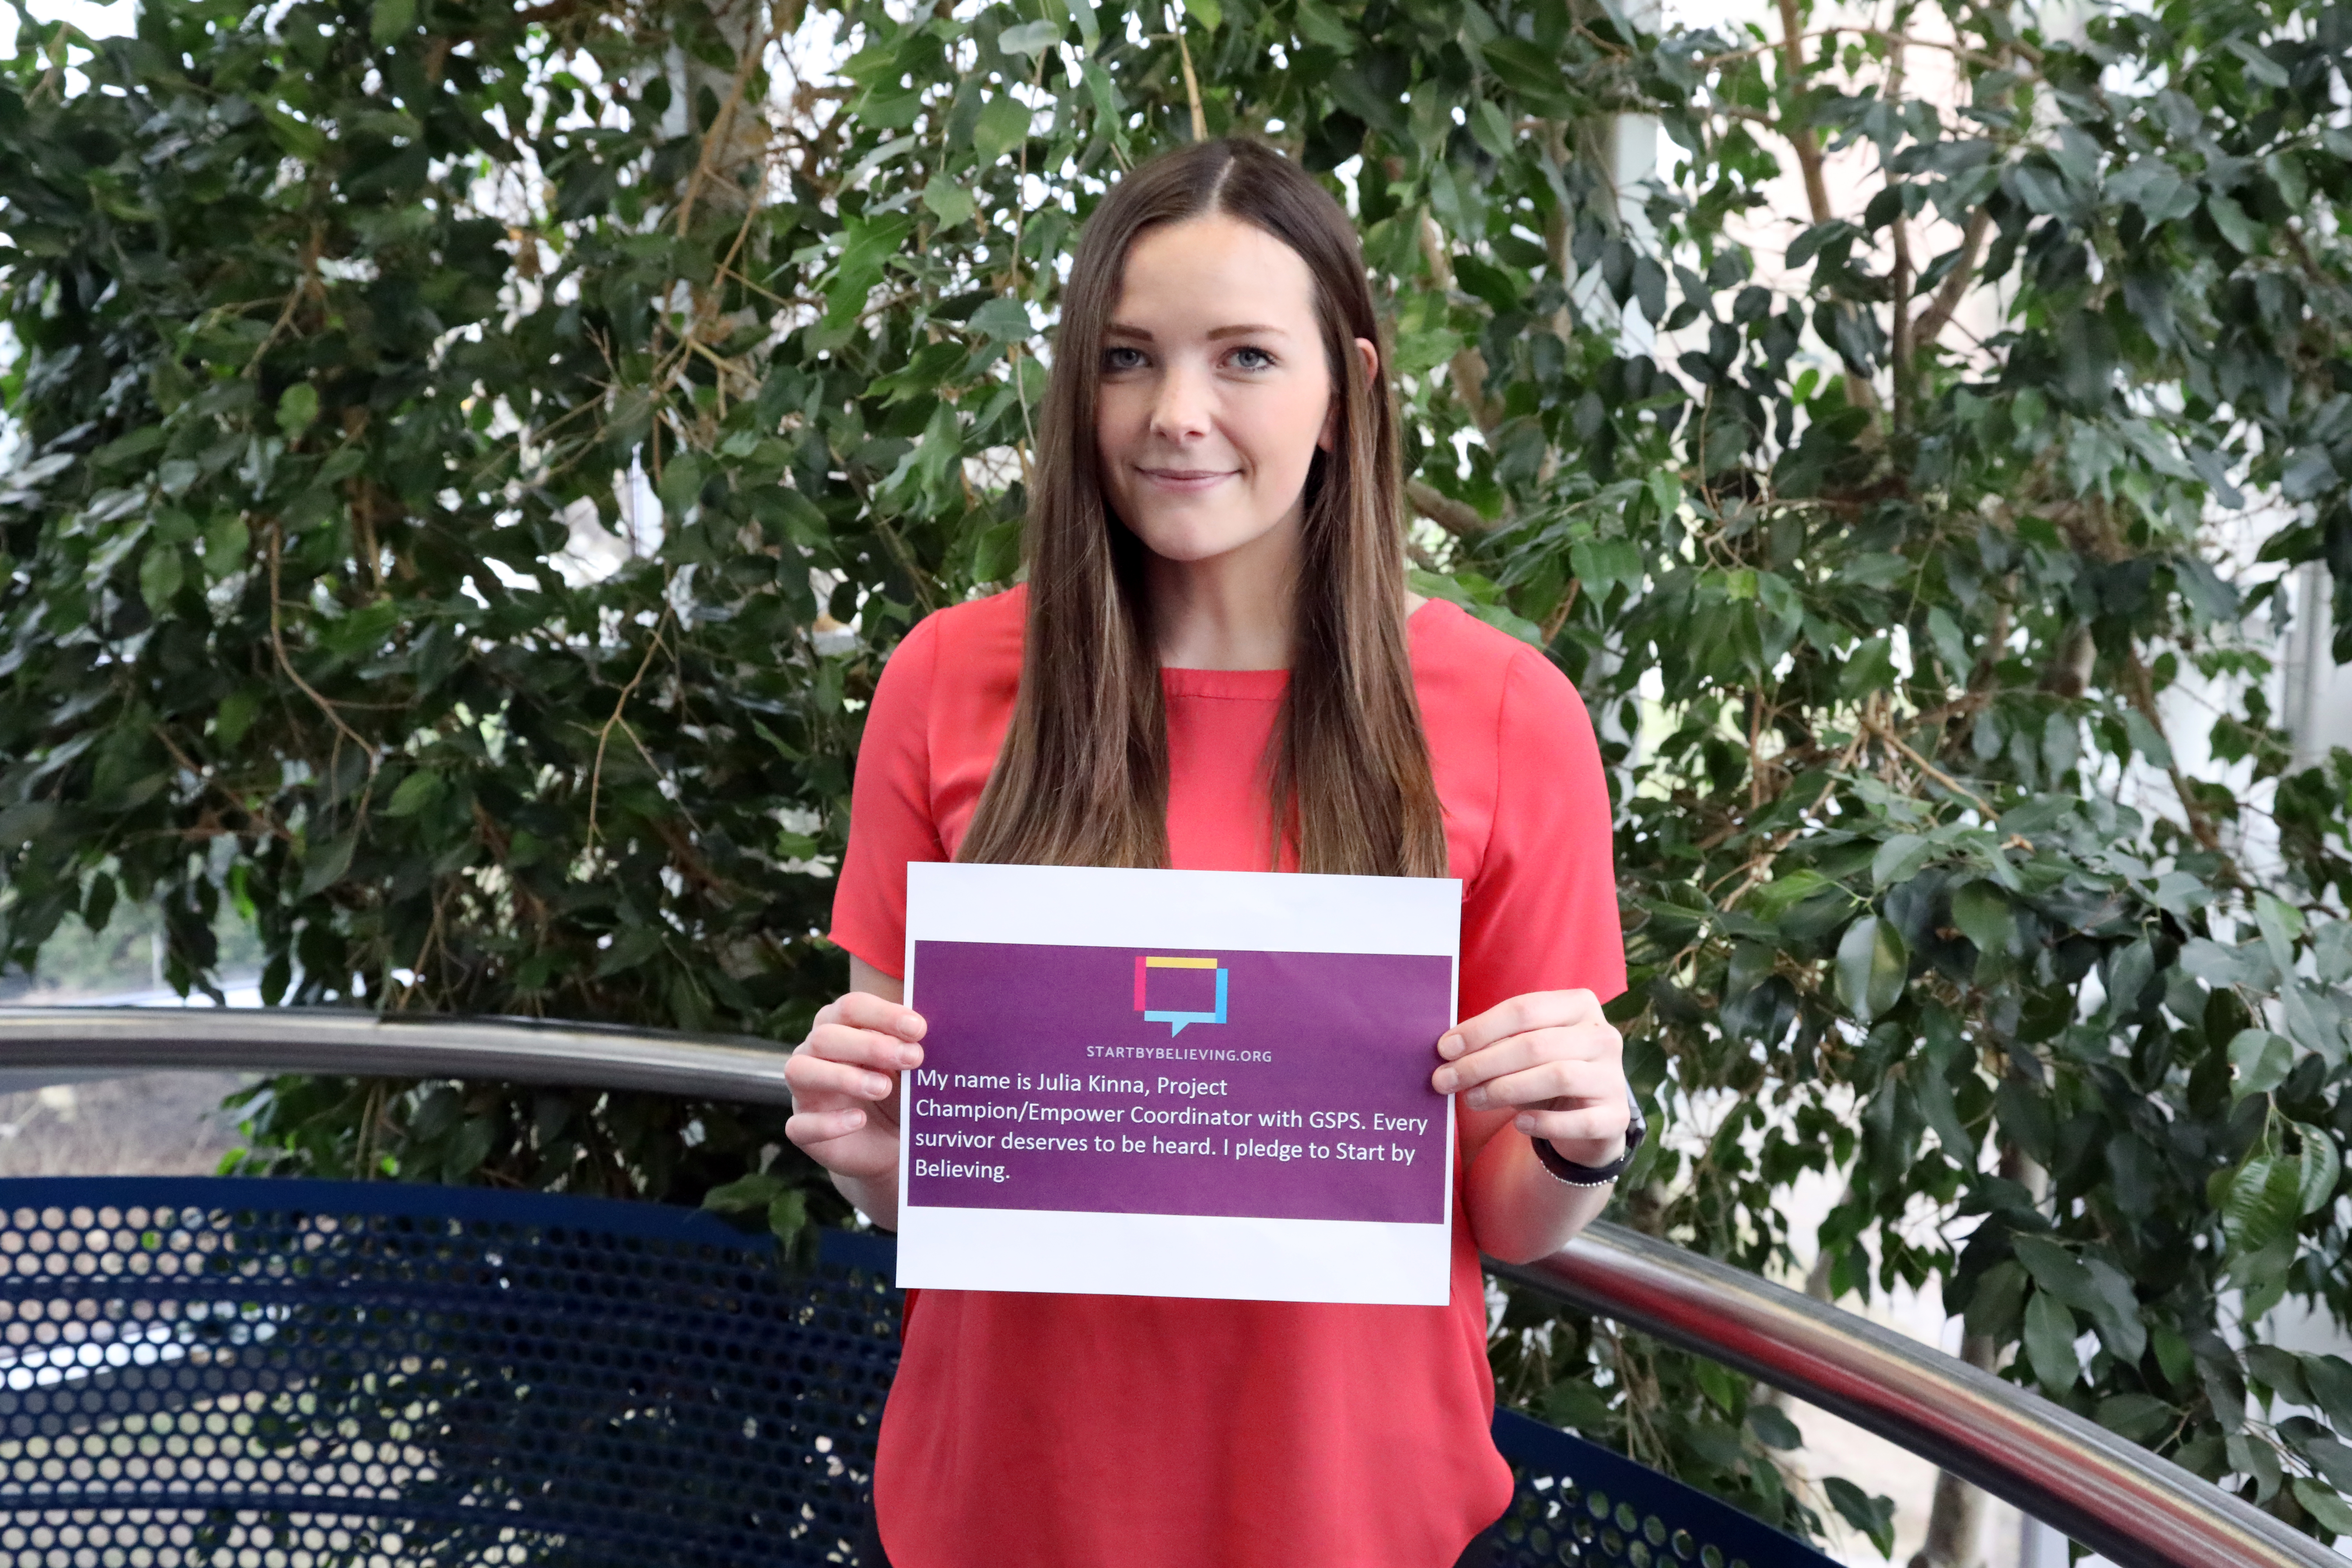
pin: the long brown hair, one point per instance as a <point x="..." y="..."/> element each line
<point x="1083" y="776"/>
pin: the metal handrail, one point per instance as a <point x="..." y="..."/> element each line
<point x="2106" y="1491"/>
<point x="2138" y="1509"/>
<point x="80" y="1040"/>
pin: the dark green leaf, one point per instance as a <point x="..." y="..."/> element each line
<point x="1003" y="125"/>
<point x="2318" y="1167"/>
<point x="949" y="202"/>
<point x="160" y="572"/>
<point x="1981" y="912"/>
<point x="2280" y="1370"/>
<point x="327" y="864"/>
<point x="2324" y="1505"/>
<point x="1005" y="320"/>
<point x="2050" y="1343"/>
<point x="753" y="1190"/>
<point x="1998" y="1304"/>
<point x="298" y="406"/>
<point x="2261" y="1060"/>
<point x="416" y="793"/>
<point x="1030" y="37"/>
<point x="1872" y="965"/>
<point x="1900" y="860"/>
<point x="2137" y="1417"/>
<point x="390" y="21"/>
<point x="2235" y="226"/>
<point x="868" y="245"/>
<point x="2263" y="1200"/>
<point x="1773" y="1428"/>
<point x="1873" y="1516"/>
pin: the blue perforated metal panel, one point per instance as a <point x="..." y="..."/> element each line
<point x="311" y="1373"/>
<point x="1579" y="1504"/>
<point x="305" y="1373"/>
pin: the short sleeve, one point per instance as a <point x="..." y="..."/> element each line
<point x="890" y="816"/>
<point x="1541" y="914"/>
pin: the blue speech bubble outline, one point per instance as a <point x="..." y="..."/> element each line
<point x="1176" y="1021"/>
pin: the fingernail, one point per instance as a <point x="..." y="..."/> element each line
<point x="1525" y="1125"/>
<point x="1477" y="1099"/>
<point x="877" y="1087"/>
<point x="911" y="1025"/>
<point x="1450" y="1046"/>
<point x="1448" y="1081"/>
<point x="911" y="1056"/>
<point x="856" y="1120"/>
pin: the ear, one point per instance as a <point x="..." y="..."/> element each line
<point x="1370" y="355"/>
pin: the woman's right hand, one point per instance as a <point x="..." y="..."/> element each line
<point x="845" y="1084"/>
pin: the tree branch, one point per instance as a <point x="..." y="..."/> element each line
<point x="1882" y="35"/>
<point x="1559" y="617"/>
<point x="1467" y="369"/>
<point x="1955" y="286"/>
<point x="1808" y="146"/>
<point x="1191" y="84"/>
<point x="1797" y="129"/>
<point x="1459" y="519"/>
<point x="604" y="735"/>
<point x="2142" y="692"/>
<point x="1901" y="281"/>
<point x="277" y="646"/>
<point x="1887" y="735"/>
<point x="209" y="781"/>
<point x="721" y="139"/>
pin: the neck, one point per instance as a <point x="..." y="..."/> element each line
<point x="1232" y="611"/>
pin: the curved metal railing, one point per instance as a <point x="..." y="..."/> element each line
<point x="81" y="1040"/>
<point x="2132" y="1507"/>
<point x="2110" y="1494"/>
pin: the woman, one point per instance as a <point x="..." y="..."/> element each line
<point x="1214" y="664"/>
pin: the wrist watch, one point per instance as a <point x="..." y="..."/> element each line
<point x="1576" y="1175"/>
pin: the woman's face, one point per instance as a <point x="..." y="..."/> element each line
<point x="1214" y="391"/>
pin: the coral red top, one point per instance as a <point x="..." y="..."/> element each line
<point x="1076" y="1431"/>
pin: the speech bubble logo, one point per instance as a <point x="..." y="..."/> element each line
<point x="1176" y="1021"/>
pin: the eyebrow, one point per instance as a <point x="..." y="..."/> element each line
<point x="1120" y="330"/>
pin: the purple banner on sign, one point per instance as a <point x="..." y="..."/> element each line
<point x="1119" y="1080"/>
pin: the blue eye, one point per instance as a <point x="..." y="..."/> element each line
<point x="1261" y="360"/>
<point x="1122" y="358"/>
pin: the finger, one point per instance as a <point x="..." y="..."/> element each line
<point x="867" y="1047"/>
<point x="809" y="1129"/>
<point x="1520" y="1014"/>
<point x="811" y="1075"/>
<point x="1593" y="1082"/>
<point x="1585" y="1124"/>
<point x="866" y="1011"/>
<point x="1581" y="1042"/>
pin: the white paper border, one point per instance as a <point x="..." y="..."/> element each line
<point x="1365" y="1261"/>
<point x="1215" y="1257"/>
<point x="1089" y="906"/>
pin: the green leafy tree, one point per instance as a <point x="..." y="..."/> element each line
<point x="471" y="462"/>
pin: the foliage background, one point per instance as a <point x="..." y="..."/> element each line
<point x="471" y="460"/>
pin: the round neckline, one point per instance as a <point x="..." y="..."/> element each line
<point x="1259" y="685"/>
<point x="1238" y="684"/>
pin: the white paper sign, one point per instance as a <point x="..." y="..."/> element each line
<point x="1179" y="1083"/>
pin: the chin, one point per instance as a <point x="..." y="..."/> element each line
<point x="1189" y="538"/>
<point x="1171" y="545"/>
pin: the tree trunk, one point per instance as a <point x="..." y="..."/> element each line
<point x="1955" y="1517"/>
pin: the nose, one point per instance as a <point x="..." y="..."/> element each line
<point x="1180" y="410"/>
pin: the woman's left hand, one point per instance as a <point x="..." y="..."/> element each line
<point x="1551" y="1058"/>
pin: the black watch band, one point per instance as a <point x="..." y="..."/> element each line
<point x="1576" y="1175"/>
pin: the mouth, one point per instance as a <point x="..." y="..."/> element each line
<point x="1186" y="479"/>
